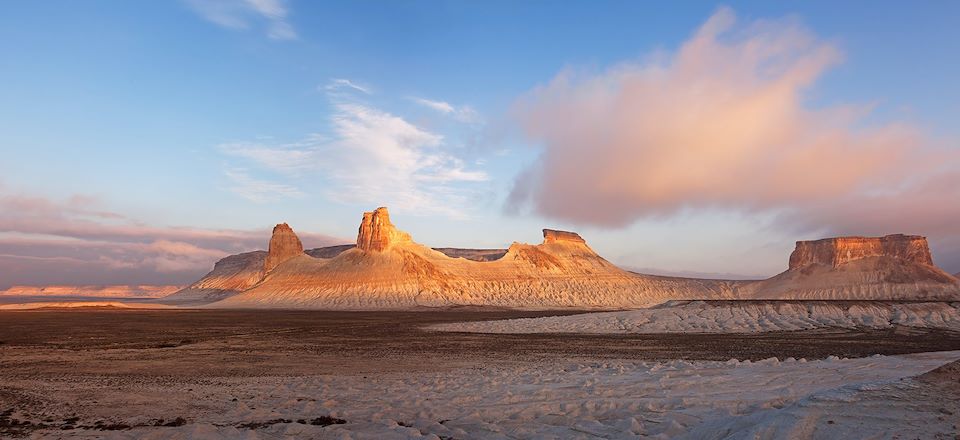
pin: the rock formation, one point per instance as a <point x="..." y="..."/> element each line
<point x="388" y="270"/>
<point x="284" y="245"/>
<point x="377" y="233"/>
<point x="837" y="251"/>
<point x="554" y="236"/>
<point x="230" y="276"/>
<point x="893" y="267"/>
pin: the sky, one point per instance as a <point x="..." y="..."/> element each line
<point x="142" y="141"/>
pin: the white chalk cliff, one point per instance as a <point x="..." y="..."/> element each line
<point x="387" y="269"/>
<point x="895" y="267"/>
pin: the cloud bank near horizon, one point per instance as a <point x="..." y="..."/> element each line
<point x="725" y="122"/>
<point x="73" y="241"/>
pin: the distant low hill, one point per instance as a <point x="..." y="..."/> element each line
<point x="112" y="291"/>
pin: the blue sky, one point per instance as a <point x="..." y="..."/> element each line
<point x="233" y="115"/>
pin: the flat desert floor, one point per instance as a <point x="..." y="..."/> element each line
<point x="126" y="374"/>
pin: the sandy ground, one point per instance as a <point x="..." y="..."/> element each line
<point x="274" y="374"/>
<point x="752" y="316"/>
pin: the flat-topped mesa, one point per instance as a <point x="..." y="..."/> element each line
<point x="837" y="251"/>
<point x="377" y="234"/>
<point x="555" y="236"/>
<point x="284" y="245"/>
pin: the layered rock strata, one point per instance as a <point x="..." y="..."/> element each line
<point x="893" y="267"/>
<point x="388" y="270"/>
<point x="553" y="236"/>
<point x="840" y="250"/>
<point x="377" y="233"/>
<point x="284" y="245"/>
<point x="230" y="276"/>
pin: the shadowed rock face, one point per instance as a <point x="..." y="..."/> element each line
<point x="377" y="233"/>
<point x="284" y="245"/>
<point x="473" y="254"/>
<point x="837" y="251"/>
<point x="554" y="236"/>
<point x="230" y="275"/>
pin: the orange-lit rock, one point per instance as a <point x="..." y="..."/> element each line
<point x="388" y="270"/>
<point x="894" y="267"/>
<point x="553" y="236"/>
<point x="284" y="245"/>
<point x="837" y="251"/>
<point x="377" y="233"/>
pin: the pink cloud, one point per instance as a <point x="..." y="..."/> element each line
<point x="45" y="241"/>
<point x="725" y="123"/>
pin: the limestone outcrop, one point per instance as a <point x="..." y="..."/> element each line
<point x="893" y="267"/>
<point x="230" y="276"/>
<point x="386" y="269"/>
<point x="837" y="251"/>
<point x="555" y="236"/>
<point x="377" y="233"/>
<point x="284" y="245"/>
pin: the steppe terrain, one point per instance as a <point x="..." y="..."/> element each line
<point x="388" y="338"/>
<point x="105" y="373"/>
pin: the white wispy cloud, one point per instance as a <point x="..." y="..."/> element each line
<point x="258" y="190"/>
<point x="372" y="156"/>
<point x="240" y="14"/>
<point x="463" y="113"/>
<point x="291" y="158"/>
<point x="340" y="83"/>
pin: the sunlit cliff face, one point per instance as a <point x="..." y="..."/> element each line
<point x="835" y="252"/>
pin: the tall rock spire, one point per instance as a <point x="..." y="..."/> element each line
<point x="376" y="232"/>
<point x="284" y="245"/>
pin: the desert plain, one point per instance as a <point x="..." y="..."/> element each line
<point x="109" y="373"/>
<point x="389" y="339"/>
